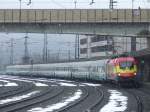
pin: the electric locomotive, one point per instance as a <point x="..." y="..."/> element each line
<point x="122" y="69"/>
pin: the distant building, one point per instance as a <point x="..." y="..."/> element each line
<point x="95" y="46"/>
<point x="102" y="45"/>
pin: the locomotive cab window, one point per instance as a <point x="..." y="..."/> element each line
<point x="127" y="64"/>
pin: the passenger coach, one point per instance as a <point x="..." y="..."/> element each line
<point x="120" y="69"/>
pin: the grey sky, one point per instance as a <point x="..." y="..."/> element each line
<point x="58" y="4"/>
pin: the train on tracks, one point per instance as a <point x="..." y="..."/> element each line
<point x="119" y="70"/>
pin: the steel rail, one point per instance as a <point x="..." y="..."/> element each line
<point x="138" y="100"/>
<point x="64" y="109"/>
<point x="42" y="97"/>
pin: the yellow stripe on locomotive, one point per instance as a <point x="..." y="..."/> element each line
<point x="127" y="71"/>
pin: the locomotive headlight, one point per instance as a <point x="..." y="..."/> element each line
<point x="135" y="73"/>
<point x="119" y="74"/>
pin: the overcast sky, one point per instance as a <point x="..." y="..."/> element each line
<point x="52" y="4"/>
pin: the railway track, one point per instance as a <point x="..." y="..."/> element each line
<point x="146" y="90"/>
<point x="9" y="89"/>
<point x="88" y="96"/>
<point x="98" y="102"/>
<point x="25" y="87"/>
<point x="145" y="99"/>
<point x="135" y="103"/>
<point x="139" y="102"/>
<point x="37" y="99"/>
<point x="68" y="107"/>
<point x="92" y="98"/>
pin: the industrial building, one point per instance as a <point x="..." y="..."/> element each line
<point x="104" y="45"/>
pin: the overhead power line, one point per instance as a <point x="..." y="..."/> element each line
<point x="112" y="4"/>
<point x="45" y="49"/>
<point x="29" y="2"/>
<point x="92" y="2"/>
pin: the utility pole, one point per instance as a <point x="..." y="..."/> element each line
<point x="78" y="46"/>
<point x="45" y="50"/>
<point x="20" y="10"/>
<point x="26" y="53"/>
<point x="58" y="55"/>
<point x="111" y="4"/>
<point x="75" y="52"/>
<point x="12" y="52"/>
<point x="132" y="4"/>
<point x="48" y="55"/>
<point x="69" y="55"/>
<point x="1" y="56"/>
<point x="75" y="4"/>
<point x="69" y="45"/>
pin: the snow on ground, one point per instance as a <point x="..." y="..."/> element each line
<point x="7" y="83"/>
<point x="91" y="84"/>
<point x="11" y="84"/>
<point x="38" y="84"/>
<point x="57" y="81"/>
<point x="67" y="84"/>
<point x="54" y="107"/>
<point x="117" y="102"/>
<point x="17" y="98"/>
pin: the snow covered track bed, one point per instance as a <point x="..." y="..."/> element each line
<point x="20" y="94"/>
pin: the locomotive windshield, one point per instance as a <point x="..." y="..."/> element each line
<point x="127" y="64"/>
